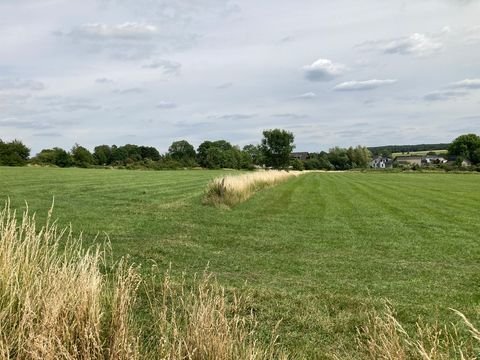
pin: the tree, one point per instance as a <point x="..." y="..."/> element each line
<point x="102" y="155"/>
<point x="55" y="156"/>
<point x="277" y="146"/>
<point x="466" y="146"/>
<point x="182" y="151"/>
<point x="149" y="152"/>
<point x="81" y="156"/>
<point x="255" y="152"/>
<point x="14" y="153"/>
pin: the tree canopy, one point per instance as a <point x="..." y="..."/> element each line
<point x="277" y="145"/>
<point x="466" y="146"/>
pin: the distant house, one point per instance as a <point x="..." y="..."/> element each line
<point x="434" y="160"/>
<point x="381" y="162"/>
<point x="299" y="155"/>
<point x="408" y="160"/>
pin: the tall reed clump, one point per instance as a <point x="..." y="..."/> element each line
<point x="231" y="190"/>
<point x="56" y="303"/>
<point x="383" y="337"/>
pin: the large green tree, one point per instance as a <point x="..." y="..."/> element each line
<point x="81" y="156"/>
<point x="277" y="145"/>
<point x="466" y="146"/>
<point x="13" y="153"/>
<point x="183" y="152"/>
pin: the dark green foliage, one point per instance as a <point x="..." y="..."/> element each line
<point x="13" y="153"/>
<point x="221" y="154"/>
<point x="182" y="152"/>
<point x="277" y="146"/>
<point x="360" y="157"/>
<point x="56" y="156"/>
<point x="467" y="147"/>
<point x="297" y="165"/>
<point x="81" y="156"/>
<point x="255" y="153"/>
<point x="338" y="157"/>
<point x="102" y="155"/>
<point x="149" y="152"/>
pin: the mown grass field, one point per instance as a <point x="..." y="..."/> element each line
<point x="315" y="252"/>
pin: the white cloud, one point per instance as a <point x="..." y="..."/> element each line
<point x="467" y="84"/>
<point x="363" y="85"/>
<point x="323" y="70"/>
<point x="125" y="31"/>
<point x="417" y="44"/>
<point x="306" y="96"/>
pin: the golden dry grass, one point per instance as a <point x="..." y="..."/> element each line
<point x="383" y="337"/>
<point x="55" y="303"/>
<point x="231" y="190"/>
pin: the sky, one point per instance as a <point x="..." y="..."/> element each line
<point x="150" y="72"/>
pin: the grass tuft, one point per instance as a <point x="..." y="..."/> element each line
<point x="231" y="190"/>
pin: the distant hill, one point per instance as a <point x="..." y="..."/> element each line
<point x="377" y="150"/>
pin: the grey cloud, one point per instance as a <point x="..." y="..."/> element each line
<point x="70" y="104"/>
<point x="445" y="95"/>
<point x="48" y="134"/>
<point x="134" y="90"/>
<point x="104" y="81"/>
<point x="24" y="124"/>
<point x="323" y="70"/>
<point x="290" y="116"/>
<point x="167" y="66"/>
<point x="21" y="84"/>
<point x="80" y="107"/>
<point x="363" y="85"/>
<point x="234" y="117"/>
<point x="166" y="105"/>
<point x="224" y="86"/>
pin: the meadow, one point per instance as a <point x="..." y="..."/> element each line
<point x="316" y="252"/>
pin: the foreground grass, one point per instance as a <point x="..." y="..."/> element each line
<point x="317" y="252"/>
<point x="55" y="303"/>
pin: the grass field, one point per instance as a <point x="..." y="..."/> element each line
<point x="315" y="251"/>
<point x="419" y="153"/>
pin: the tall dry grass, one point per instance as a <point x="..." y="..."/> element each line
<point x="231" y="190"/>
<point x="56" y="303"/>
<point x="383" y="337"/>
<point x="199" y="323"/>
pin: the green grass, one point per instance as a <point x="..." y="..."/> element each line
<point x="315" y="251"/>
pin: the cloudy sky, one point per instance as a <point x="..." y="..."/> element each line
<point x="149" y="72"/>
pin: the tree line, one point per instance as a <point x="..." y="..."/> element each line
<point x="274" y="151"/>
